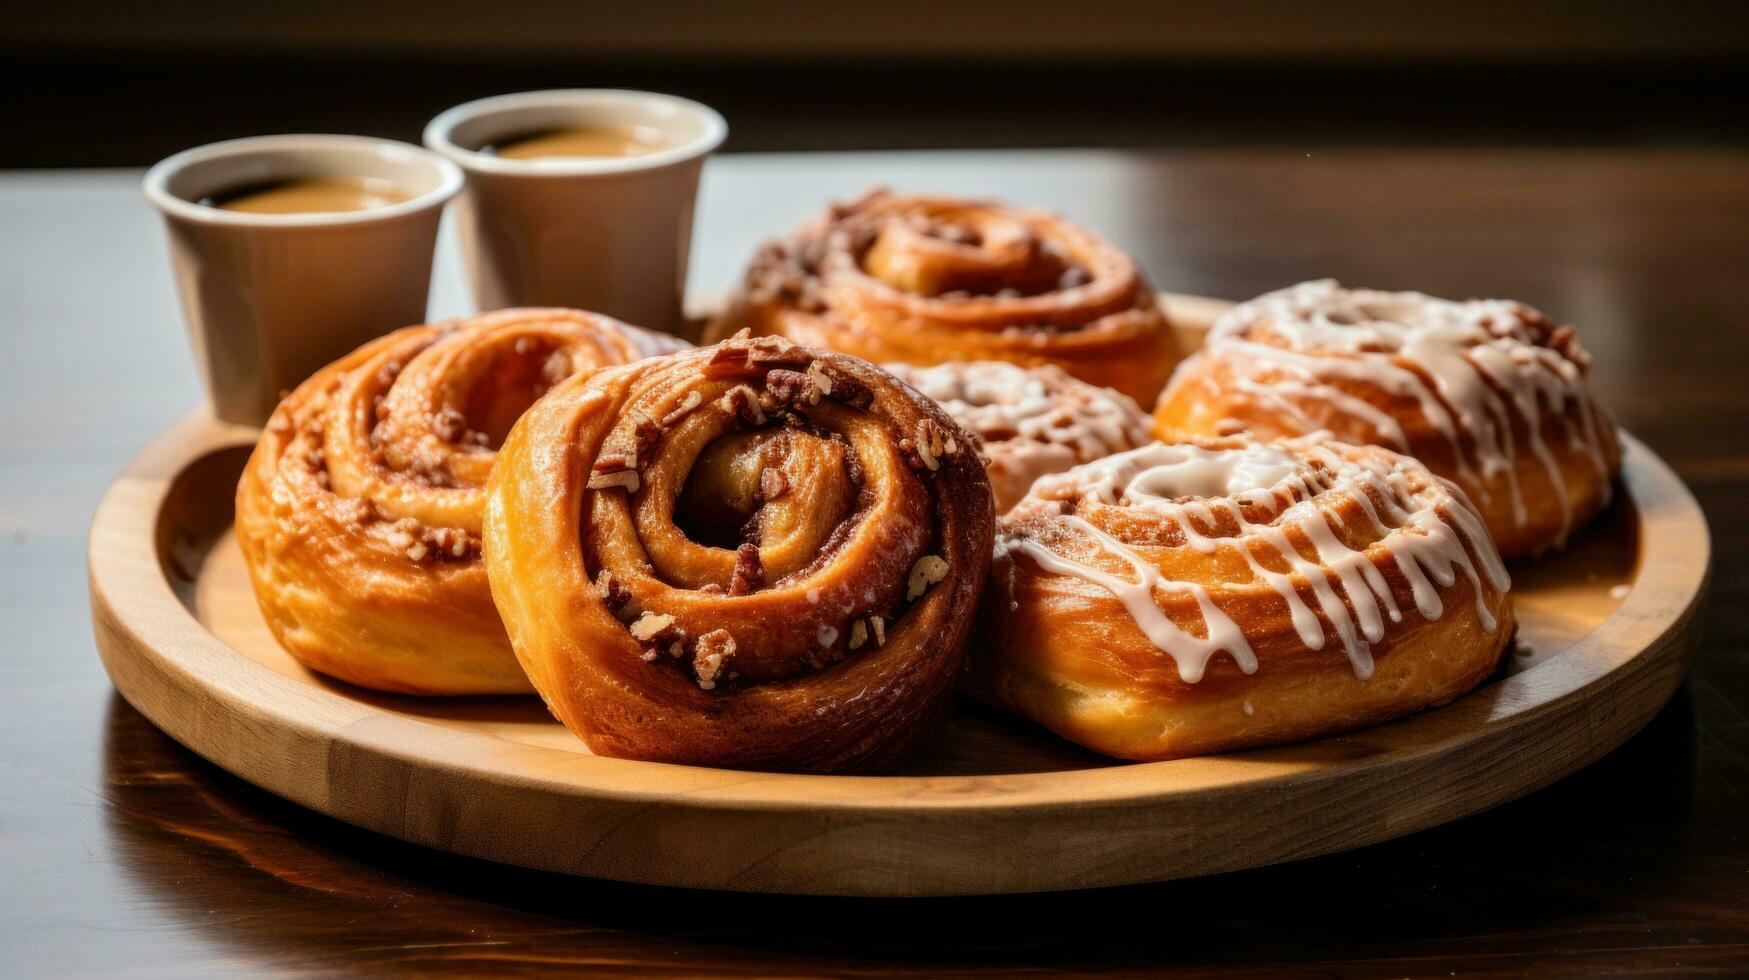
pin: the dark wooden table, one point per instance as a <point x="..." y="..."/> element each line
<point x="122" y="853"/>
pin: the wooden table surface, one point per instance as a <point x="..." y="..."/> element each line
<point x="122" y="853"/>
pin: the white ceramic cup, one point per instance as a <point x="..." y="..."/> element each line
<point x="608" y="234"/>
<point x="270" y="298"/>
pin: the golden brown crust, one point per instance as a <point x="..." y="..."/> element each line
<point x="922" y="280"/>
<point x="754" y="555"/>
<point x="1232" y="663"/>
<point x="1512" y="422"/>
<point x="359" y="510"/>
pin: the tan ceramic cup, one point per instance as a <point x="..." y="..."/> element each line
<point x="609" y="234"/>
<point x="269" y="298"/>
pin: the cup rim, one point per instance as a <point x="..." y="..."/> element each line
<point x="439" y="134"/>
<point x="156" y="183"/>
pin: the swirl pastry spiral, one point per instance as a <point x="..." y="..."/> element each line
<point x="1488" y="393"/>
<point x="1188" y="598"/>
<point x="1031" y="421"/>
<point x="359" y="511"/>
<point x="753" y="555"/>
<point x="921" y="280"/>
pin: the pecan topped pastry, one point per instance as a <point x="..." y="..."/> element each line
<point x="922" y="280"/>
<point x="359" y="511"/>
<point x="753" y="555"/>
<point x="1030" y="421"/>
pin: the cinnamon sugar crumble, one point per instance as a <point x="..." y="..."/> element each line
<point x="355" y="510"/>
<point x="419" y="542"/>
<point x="450" y="425"/>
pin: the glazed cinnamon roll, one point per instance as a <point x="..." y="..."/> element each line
<point x="753" y="555"/>
<point x="359" y="511"/>
<point x="1180" y="599"/>
<point x="1488" y="393"/>
<point x="921" y="280"/>
<point x="1031" y="421"/>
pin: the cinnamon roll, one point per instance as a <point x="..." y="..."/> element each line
<point x="1180" y="599"/>
<point x="1031" y="421"/>
<point x="921" y="280"/>
<point x="754" y="555"/>
<point x="359" y="511"/>
<point x="1490" y="394"/>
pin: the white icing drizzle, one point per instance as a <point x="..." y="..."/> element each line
<point x="1032" y="421"/>
<point x="1470" y="367"/>
<point x="1428" y="530"/>
<point x="1192" y="653"/>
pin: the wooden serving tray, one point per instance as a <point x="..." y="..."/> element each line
<point x="992" y="805"/>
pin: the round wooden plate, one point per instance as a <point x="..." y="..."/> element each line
<point x="993" y="805"/>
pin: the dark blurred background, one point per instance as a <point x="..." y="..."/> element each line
<point x="125" y="83"/>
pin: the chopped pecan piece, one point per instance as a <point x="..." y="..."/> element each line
<point x="744" y="402"/>
<point x="775" y="350"/>
<point x="749" y="573"/>
<point x="929" y="444"/>
<point x="646" y="433"/>
<point x="680" y="411"/>
<point x="772" y="484"/>
<point x="928" y="570"/>
<point x="614" y="595"/>
<point x="730" y="358"/>
<point x="845" y="388"/>
<point x="710" y="655"/>
<point x="789" y="387"/>
<point x="656" y="628"/>
<point x="615" y="471"/>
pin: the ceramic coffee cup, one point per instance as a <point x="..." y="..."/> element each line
<point x="269" y="298"/>
<point x="609" y="234"/>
